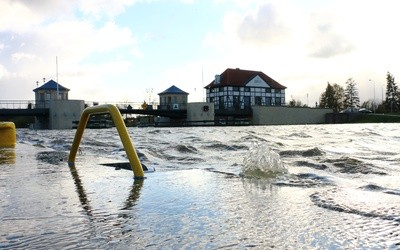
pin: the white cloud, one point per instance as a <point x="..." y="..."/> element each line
<point x="28" y="49"/>
<point x="16" y="57"/>
<point x="263" y="26"/>
<point x="100" y="8"/>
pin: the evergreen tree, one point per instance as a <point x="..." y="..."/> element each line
<point x="338" y="97"/>
<point x="351" y="98"/>
<point x="392" y="94"/>
<point x="332" y="97"/>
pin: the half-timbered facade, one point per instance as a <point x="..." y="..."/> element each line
<point x="237" y="89"/>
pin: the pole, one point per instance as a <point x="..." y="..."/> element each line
<point x="373" y="103"/>
<point x="58" y="94"/>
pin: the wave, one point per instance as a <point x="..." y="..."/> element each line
<point x="306" y="180"/>
<point x="349" y="165"/>
<point x="359" y="202"/>
<point x="373" y="187"/>
<point x="222" y="146"/>
<point x="300" y="135"/>
<point x="52" y="157"/>
<point x="305" y="153"/>
<point x="186" y="149"/>
<point x="311" y="165"/>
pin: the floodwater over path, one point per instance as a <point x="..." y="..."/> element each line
<point x="311" y="186"/>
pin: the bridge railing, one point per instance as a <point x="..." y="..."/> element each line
<point x="17" y="104"/>
<point x="31" y="104"/>
<point x="123" y="105"/>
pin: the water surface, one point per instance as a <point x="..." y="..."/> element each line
<point x="338" y="187"/>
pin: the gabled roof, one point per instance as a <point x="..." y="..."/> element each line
<point x="173" y="90"/>
<point x="51" y="85"/>
<point x="240" y="77"/>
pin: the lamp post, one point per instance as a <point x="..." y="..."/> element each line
<point x="373" y="104"/>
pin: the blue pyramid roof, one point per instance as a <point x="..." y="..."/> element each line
<point x="51" y="85"/>
<point x="173" y="90"/>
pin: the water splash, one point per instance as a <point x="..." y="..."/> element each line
<point x="262" y="162"/>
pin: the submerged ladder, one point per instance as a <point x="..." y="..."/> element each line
<point x="122" y="131"/>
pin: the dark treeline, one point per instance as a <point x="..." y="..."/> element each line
<point x="338" y="98"/>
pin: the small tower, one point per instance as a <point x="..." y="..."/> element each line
<point x="51" y="90"/>
<point x="173" y="98"/>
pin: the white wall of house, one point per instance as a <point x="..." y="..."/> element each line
<point x="253" y="94"/>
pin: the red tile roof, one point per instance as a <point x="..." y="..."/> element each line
<point x="240" y="77"/>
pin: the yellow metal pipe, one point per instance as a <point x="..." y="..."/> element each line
<point x="122" y="131"/>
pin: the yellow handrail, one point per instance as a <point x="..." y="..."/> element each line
<point x="122" y="131"/>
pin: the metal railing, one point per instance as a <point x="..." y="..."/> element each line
<point x="17" y="104"/>
<point x="31" y="104"/>
<point x="122" y="131"/>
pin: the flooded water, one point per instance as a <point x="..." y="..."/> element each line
<point x="264" y="187"/>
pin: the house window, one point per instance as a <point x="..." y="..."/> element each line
<point x="268" y="90"/>
<point x="277" y="101"/>
<point x="268" y="101"/>
<point x="246" y="89"/>
<point x="236" y="102"/>
<point x="246" y="102"/>
<point x="236" y="88"/>
<point x="258" y="100"/>
<point x="277" y="91"/>
<point x="221" y="102"/>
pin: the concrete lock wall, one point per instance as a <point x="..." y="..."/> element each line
<point x="200" y="113"/>
<point x="63" y="112"/>
<point x="275" y="115"/>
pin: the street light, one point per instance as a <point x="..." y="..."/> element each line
<point x="373" y="104"/>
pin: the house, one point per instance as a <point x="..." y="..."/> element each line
<point x="51" y="90"/>
<point x="173" y="98"/>
<point x="237" y="89"/>
<point x="62" y="112"/>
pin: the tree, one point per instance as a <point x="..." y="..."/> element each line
<point x="295" y="103"/>
<point x="332" y="97"/>
<point x="351" y="98"/>
<point x="392" y="94"/>
<point x="338" y="97"/>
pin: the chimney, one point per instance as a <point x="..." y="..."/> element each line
<point x="217" y="79"/>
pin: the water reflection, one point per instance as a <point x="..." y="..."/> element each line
<point x="7" y="156"/>
<point x="133" y="196"/>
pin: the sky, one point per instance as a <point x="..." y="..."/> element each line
<point x="131" y="50"/>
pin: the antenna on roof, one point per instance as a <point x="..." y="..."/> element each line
<point x="202" y="81"/>
<point x="58" y="94"/>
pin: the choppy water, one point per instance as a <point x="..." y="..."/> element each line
<point x="326" y="186"/>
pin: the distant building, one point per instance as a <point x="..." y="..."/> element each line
<point x="237" y="89"/>
<point x="47" y="92"/>
<point x="62" y="112"/>
<point x="173" y="98"/>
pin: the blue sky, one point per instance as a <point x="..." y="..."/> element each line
<point x="131" y="50"/>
